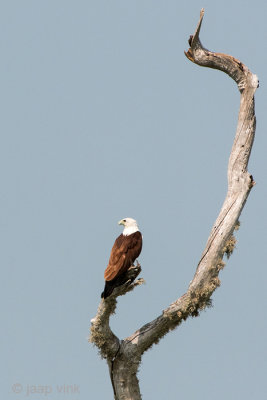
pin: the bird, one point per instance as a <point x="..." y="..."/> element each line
<point x="127" y="247"/>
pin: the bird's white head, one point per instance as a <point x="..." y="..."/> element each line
<point x="130" y="226"/>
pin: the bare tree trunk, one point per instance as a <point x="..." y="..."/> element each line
<point x="124" y="356"/>
<point x="125" y="382"/>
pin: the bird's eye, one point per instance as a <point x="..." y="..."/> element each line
<point x="124" y="220"/>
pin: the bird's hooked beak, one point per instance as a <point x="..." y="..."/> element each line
<point x="121" y="222"/>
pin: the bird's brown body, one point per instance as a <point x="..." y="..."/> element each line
<point x="123" y="254"/>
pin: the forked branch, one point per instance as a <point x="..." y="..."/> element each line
<point x="124" y="356"/>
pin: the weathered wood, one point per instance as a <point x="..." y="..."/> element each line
<point x="124" y="357"/>
<point x="101" y="334"/>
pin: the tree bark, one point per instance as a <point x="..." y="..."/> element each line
<point x="124" y="356"/>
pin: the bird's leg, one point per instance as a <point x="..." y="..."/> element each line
<point x="133" y="272"/>
<point x="129" y="283"/>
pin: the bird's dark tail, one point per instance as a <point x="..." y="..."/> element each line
<point x="109" y="286"/>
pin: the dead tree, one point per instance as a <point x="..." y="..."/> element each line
<point x="124" y="356"/>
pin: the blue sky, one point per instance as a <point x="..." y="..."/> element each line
<point x="103" y="117"/>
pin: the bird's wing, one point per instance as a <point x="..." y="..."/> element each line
<point x="117" y="259"/>
<point x="123" y="254"/>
